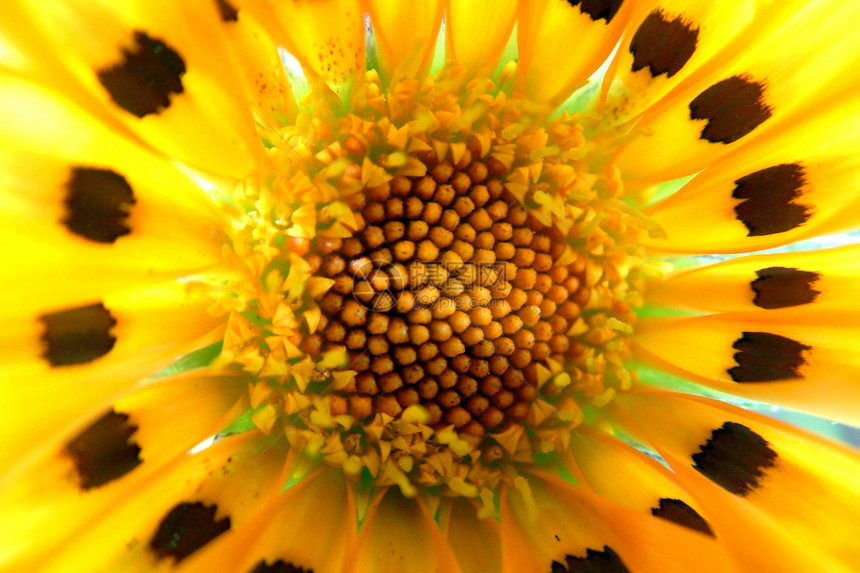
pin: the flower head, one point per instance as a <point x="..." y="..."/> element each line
<point x="435" y="281"/>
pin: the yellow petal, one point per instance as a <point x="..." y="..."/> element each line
<point x="93" y="210"/>
<point x="798" y="358"/>
<point x="386" y="545"/>
<point x="767" y="282"/>
<point x="68" y="364"/>
<point x="161" y="69"/>
<point x="266" y="84"/>
<point x="405" y="34"/>
<point x="765" y="471"/>
<point x="623" y="474"/>
<point x="669" y="42"/>
<point x="554" y="521"/>
<point x="89" y="471"/>
<point x="797" y="183"/>
<point x="281" y="532"/>
<point x="477" y="32"/>
<point x="474" y="541"/>
<point x="754" y="89"/>
<point x="328" y="42"/>
<point x="561" y="43"/>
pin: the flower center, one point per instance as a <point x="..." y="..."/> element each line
<point x="430" y="288"/>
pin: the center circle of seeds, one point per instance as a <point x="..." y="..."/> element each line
<point x="446" y="296"/>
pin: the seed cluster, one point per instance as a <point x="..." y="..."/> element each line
<point x="447" y="296"/>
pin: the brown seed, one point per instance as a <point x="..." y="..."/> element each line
<point x="412" y="373"/>
<point x="520" y="358"/>
<point x="342" y="284"/>
<point x="404" y="250"/>
<point x="333" y="265"/>
<point x="543" y="283"/>
<point x="541" y="243"/>
<point x="499" y="307"/>
<point x="481" y="316"/>
<point x="463" y="206"/>
<point x="465" y="232"/>
<point x="441" y="172"/>
<point x="412" y="207"/>
<point x="390" y="382"/>
<point x="359" y="362"/>
<point x="543" y="262"/>
<point x="444" y="195"/>
<point x="458" y="416"/>
<point x="530" y="314"/>
<point x="472" y="335"/>
<point x="534" y="297"/>
<point x="517" y="215"/>
<point x="493" y="330"/>
<point x="525" y="278"/>
<point x="484" y="240"/>
<point x="434" y="412"/>
<point x="490" y="385"/>
<point x="522" y="236"/>
<point x="448" y="399"/>
<point x="427" y="295"/>
<point x="443" y="308"/>
<point x="377" y="345"/>
<point x="338" y="405"/>
<point x="477" y="405"/>
<point x="373" y="212"/>
<point x="394" y="230"/>
<point x="460" y="363"/>
<point x="543" y="331"/>
<point x="354" y="313"/>
<point x="398" y="276"/>
<point x="312" y="344"/>
<point x="418" y="334"/>
<point x="477" y="172"/>
<point x="373" y="237"/>
<point x="497" y="210"/>
<point x="356" y="201"/>
<point x="427" y="388"/>
<point x="547" y="308"/>
<point x="351" y="248"/>
<point x="559" y="323"/>
<point x="360" y="406"/>
<point x="379" y="280"/>
<point x="387" y="405"/>
<point x="479" y="195"/>
<point x="541" y="351"/>
<point x="381" y="257"/>
<point x="492" y="417"/>
<point x="483" y="349"/>
<point x="404" y="355"/>
<point x="436" y="366"/>
<point x="504" y="346"/>
<point x="356" y="340"/>
<point x="427" y="351"/>
<point x="427" y="251"/>
<point x="559" y="343"/>
<point x="405" y="302"/>
<point x="394" y="208"/>
<point x="437" y="274"/>
<point x="441" y="237"/>
<point x="440" y="331"/>
<point x="463" y="249"/>
<point x="382" y="302"/>
<point x="505" y="251"/>
<point x="461" y="182"/>
<point x="400" y="186"/>
<point x="452" y="347"/>
<point x="485" y="257"/>
<point x="479" y="368"/>
<point x="502" y="399"/>
<point x="511" y="324"/>
<point x="569" y="310"/>
<point x="331" y="303"/>
<point x="424" y="188"/>
<point x="417" y="230"/>
<point x="517" y="298"/>
<point x="480" y="296"/>
<point x="450" y="220"/>
<point x="480" y="219"/>
<point x="524" y="339"/>
<point x="432" y="213"/>
<point x="459" y="321"/>
<point x="382" y="364"/>
<point x="419" y="316"/>
<point x="495" y="187"/>
<point x="398" y="332"/>
<point x="467" y="386"/>
<point x="407" y="397"/>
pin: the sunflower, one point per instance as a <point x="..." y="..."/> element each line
<point x="432" y="286"/>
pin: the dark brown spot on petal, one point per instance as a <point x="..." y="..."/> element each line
<point x="227" y="11"/>
<point x="663" y="45"/>
<point x="770" y="200"/>
<point x="781" y="287"/>
<point x="735" y="457"/>
<point x="103" y="452"/>
<point x="598" y="9"/>
<point x="97" y="204"/>
<point x="733" y="107"/>
<point x="78" y="335"/>
<point x="185" y="529"/>
<point x="765" y="357"/>
<point x="679" y="512"/>
<point x="606" y="561"/>
<point x="279" y="566"/>
<point x="143" y="82"/>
